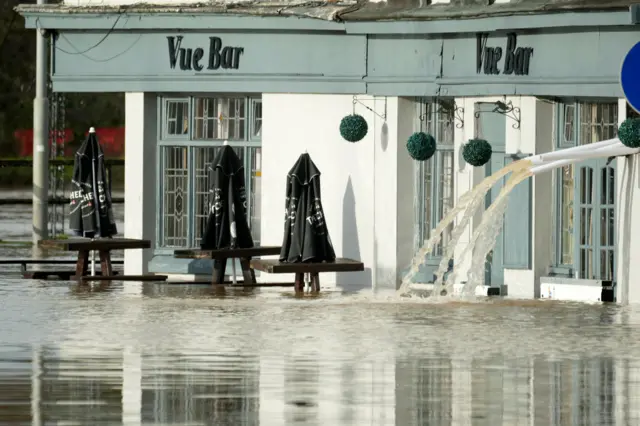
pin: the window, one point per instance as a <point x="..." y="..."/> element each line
<point x="580" y="123"/>
<point x="194" y="130"/>
<point x="434" y="184"/>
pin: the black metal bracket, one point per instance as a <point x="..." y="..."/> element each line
<point x="449" y="108"/>
<point x="506" y="109"/>
<point x="357" y="101"/>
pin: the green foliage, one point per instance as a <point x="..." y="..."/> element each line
<point x="629" y="132"/>
<point x="16" y="177"/>
<point x="477" y="152"/>
<point x="421" y="146"/>
<point x="17" y="89"/>
<point x="353" y="128"/>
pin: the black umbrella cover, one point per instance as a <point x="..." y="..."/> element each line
<point x="306" y="238"/>
<point x="227" y="225"/>
<point x="91" y="210"/>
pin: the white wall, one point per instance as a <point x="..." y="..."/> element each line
<point x="367" y="190"/>
<point x="140" y="177"/>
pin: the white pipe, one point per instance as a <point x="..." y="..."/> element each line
<point x="566" y="153"/>
<point x="549" y="166"/>
<point x="609" y="151"/>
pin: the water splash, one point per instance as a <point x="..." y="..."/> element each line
<point x="468" y="203"/>
<point x="486" y="235"/>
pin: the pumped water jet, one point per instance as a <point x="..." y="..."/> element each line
<point x="469" y="203"/>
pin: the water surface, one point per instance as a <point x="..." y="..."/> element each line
<point x="134" y="353"/>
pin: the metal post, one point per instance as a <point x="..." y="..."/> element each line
<point x="40" y="141"/>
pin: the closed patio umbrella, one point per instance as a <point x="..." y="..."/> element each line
<point x="306" y="238"/>
<point x="227" y="225"/>
<point x="91" y="210"/>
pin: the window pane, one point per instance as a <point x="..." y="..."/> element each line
<point x="256" y="131"/>
<point x="177" y="118"/>
<point x="436" y="182"/>
<point x="569" y="117"/>
<point x="428" y="201"/>
<point x="174" y="196"/>
<point x="219" y="119"/>
<point x="598" y="122"/>
<point x="566" y="216"/>
<point x="445" y="161"/>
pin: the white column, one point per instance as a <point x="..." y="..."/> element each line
<point x="131" y="387"/>
<point x="140" y="177"/>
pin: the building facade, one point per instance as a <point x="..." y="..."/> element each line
<point x="276" y="81"/>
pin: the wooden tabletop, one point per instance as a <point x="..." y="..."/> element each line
<point x="227" y="253"/>
<point x="82" y="244"/>
<point x="274" y="266"/>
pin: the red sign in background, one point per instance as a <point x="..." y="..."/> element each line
<point x="111" y="139"/>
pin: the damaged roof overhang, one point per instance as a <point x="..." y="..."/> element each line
<point x="319" y="15"/>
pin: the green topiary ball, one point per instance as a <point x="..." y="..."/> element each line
<point x="421" y="146"/>
<point x="629" y="132"/>
<point x="477" y="152"/>
<point x="353" y="128"/>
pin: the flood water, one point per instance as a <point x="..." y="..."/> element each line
<point x="159" y="354"/>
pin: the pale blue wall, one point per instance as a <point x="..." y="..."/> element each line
<point x="270" y="62"/>
<point x="582" y="62"/>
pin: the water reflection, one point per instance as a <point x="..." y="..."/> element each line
<point x="73" y="386"/>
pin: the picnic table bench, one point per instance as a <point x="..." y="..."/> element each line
<point x="103" y="246"/>
<point x="221" y="256"/>
<point x="274" y="266"/>
<point x="63" y="274"/>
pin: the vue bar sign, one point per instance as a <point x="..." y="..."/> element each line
<point x="189" y="58"/>
<point x="630" y="77"/>
<point x="494" y="60"/>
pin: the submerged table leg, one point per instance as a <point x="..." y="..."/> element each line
<point x="219" y="266"/>
<point x="248" y="273"/>
<point x="315" y="281"/>
<point x="299" y="282"/>
<point x="82" y="265"/>
<point x="105" y="263"/>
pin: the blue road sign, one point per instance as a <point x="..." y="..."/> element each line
<point x="630" y="77"/>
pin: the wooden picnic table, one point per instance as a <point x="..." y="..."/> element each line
<point x="221" y="256"/>
<point x="103" y="245"/>
<point x="274" y="266"/>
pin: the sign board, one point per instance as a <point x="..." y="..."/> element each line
<point x="630" y="77"/>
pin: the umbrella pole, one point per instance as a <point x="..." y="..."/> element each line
<point x="93" y="261"/>
<point x="233" y="269"/>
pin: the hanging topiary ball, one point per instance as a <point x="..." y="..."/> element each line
<point x="421" y="146"/>
<point x="353" y="127"/>
<point x="477" y="152"/>
<point x="629" y="132"/>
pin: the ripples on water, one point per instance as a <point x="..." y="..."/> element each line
<point x="172" y="354"/>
